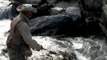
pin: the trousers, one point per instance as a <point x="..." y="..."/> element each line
<point x="15" y="54"/>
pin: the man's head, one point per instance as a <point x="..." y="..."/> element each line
<point x="27" y="10"/>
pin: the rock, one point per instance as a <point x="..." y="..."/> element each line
<point x="105" y="11"/>
<point x="33" y="1"/>
<point x="66" y="4"/>
<point x="91" y="8"/>
<point x="56" y="10"/>
<point x="52" y="1"/>
<point x="104" y="15"/>
<point x="5" y="10"/>
<point x="49" y="25"/>
<point x="20" y="1"/>
<point x="73" y="11"/>
<point x="92" y="5"/>
<point x="27" y="1"/>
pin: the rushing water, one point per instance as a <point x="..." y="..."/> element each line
<point x="4" y="26"/>
<point x="85" y="48"/>
<point x="92" y="48"/>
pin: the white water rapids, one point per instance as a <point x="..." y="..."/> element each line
<point x="46" y="42"/>
<point x="84" y="48"/>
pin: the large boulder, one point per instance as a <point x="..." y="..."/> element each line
<point x="48" y="25"/>
<point x="91" y="8"/>
<point x="57" y="24"/>
<point x="92" y="5"/>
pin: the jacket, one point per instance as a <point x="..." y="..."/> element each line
<point x="20" y="33"/>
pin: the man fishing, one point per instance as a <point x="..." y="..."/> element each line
<point x="20" y="39"/>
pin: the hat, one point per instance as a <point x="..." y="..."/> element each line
<point x="26" y="7"/>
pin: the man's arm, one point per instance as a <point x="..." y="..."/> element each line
<point x="26" y="35"/>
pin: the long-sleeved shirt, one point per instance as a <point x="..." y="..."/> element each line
<point x="26" y="35"/>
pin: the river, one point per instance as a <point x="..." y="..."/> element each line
<point x="91" y="48"/>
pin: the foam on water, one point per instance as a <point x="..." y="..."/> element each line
<point x="50" y="44"/>
<point x="4" y="3"/>
<point x="4" y="27"/>
<point x="81" y="57"/>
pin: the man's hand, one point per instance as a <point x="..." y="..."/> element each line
<point x="39" y="48"/>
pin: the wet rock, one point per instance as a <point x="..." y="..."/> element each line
<point x="5" y="10"/>
<point x="66" y="4"/>
<point x="52" y="1"/>
<point x="5" y="13"/>
<point x="33" y="1"/>
<point x="49" y="25"/>
<point x="29" y="1"/>
<point x="91" y="8"/>
<point x="56" y="10"/>
<point x="73" y="11"/>
<point x="92" y="5"/>
<point x="105" y="13"/>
